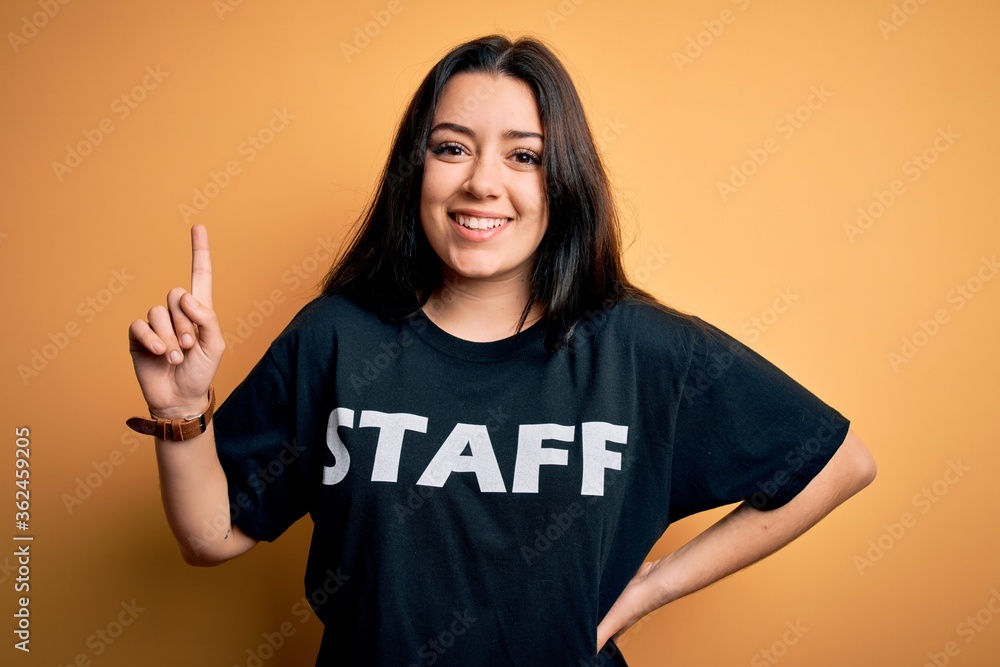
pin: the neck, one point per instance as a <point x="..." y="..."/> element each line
<point x="481" y="310"/>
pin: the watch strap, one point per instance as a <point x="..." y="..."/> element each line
<point x="184" y="428"/>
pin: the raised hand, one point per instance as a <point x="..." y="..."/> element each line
<point x="176" y="350"/>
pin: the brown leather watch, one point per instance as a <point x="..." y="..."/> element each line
<point x="175" y="429"/>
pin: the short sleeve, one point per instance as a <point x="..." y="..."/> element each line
<point x="744" y="430"/>
<point x="255" y="435"/>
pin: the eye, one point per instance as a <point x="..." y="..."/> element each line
<point x="449" y="149"/>
<point x="525" y="156"/>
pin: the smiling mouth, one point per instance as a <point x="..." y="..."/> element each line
<point x="471" y="222"/>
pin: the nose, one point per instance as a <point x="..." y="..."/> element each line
<point x="484" y="178"/>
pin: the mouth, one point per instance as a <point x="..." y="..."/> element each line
<point x="478" y="223"/>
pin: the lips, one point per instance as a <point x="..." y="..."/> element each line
<point x="478" y="222"/>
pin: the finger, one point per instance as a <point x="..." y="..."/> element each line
<point x="140" y="337"/>
<point x="162" y="326"/>
<point x="209" y="332"/>
<point x="201" y="266"/>
<point x="183" y="327"/>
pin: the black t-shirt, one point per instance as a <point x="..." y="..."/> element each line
<point x="486" y="503"/>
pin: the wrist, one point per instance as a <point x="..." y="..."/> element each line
<point x="180" y="411"/>
<point x="662" y="586"/>
<point x="178" y="422"/>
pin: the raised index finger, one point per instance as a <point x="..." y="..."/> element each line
<point x="201" y="266"/>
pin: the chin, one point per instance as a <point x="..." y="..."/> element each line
<point x="477" y="272"/>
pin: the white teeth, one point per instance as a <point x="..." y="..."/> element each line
<point x="479" y="223"/>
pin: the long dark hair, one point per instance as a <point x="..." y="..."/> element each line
<point x="390" y="267"/>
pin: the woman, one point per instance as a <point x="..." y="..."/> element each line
<point x="488" y="424"/>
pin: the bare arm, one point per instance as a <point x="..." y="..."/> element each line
<point x="176" y="352"/>
<point x="196" y="501"/>
<point x="741" y="538"/>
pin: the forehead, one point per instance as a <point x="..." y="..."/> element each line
<point x="483" y="99"/>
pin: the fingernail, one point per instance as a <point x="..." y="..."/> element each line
<point x="158" y="347"/>
<point x="176" y="357"/>
<point x="187" y="340"/>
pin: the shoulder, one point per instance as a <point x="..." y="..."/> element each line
<point x="326" y="319"/>
<point x="657" y="335"/>
<point x="329" y="309"/>
<point x="637" y="333"/>
<point x="645" y="320"/>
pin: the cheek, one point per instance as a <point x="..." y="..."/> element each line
<point x="439" y="181"/>
<point x="427" y="187"/>
<point x="432" y="195"/>
<point x="530" y="199"/>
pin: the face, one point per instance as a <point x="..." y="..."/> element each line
<point x="482" y="201"/>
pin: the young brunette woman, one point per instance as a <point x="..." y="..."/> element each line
<point x="488" y="424"/>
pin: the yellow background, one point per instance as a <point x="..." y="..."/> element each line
<point x="671" y="130"/>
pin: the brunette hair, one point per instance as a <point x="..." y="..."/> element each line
<point x="389" y="266"/>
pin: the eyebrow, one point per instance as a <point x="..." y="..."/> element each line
<point x="508" y="134"/>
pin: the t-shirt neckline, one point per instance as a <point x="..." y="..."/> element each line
<point x="469" y="350"/>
